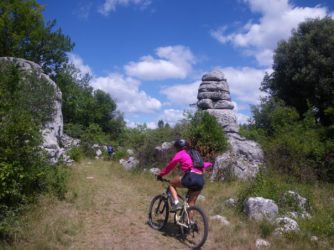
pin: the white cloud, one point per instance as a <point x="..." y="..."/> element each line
<point x="110" y="5"/>
<point x="132" y="124"/>
<point x="78" y="63"/>
<point x="182" y="94"/>
<point x="244" y="83"/>
<point x="125" y="92"/>
<point x="172" y="62"/>
<point x="278" y="18"/>
<point x="172" y="116"/>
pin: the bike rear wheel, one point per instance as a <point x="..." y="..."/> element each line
<point x="158" y="212"/>
<point x="195" y="231"/>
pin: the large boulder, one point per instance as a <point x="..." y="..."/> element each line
<point x="53" y="130"/>
<point x="242" y="160"/>
<point x="259" y="208"/>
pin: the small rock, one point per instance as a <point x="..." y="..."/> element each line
<point x="98" y="153"/>
<point x="285" y="225"/>
<point x="154" y="170"/>
<point x="231" y="202"/>
<point x="89" y="177"/>
<point x="314" y="238"/>
<point x="221" y="219"/>
<point x="261" y="243"/>
<point x="201" y="198"/>
<point x="130" y="152"/>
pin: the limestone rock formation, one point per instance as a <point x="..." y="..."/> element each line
<point x="52" y="131"/>
<point x="245" y="156"/>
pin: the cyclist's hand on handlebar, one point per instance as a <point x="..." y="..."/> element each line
<point x="159" y="178"/>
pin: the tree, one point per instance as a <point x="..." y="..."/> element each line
<point x="104" y="108"/>
<point x="25" y="34"/>
<point x="303" y="70"/>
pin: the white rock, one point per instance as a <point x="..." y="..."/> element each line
<point x="130" y="152"/>
<point x="285" y="225"/>
<point x="130" y="163"/>
<point x="261" y="243"/>
<point x="300" y="201"/>
<point x="259" y="208"/>
<point x="98" y="153"/>
<point x="314" y="238"/>
<point x="221" y="219"/>
<point x="154" y="170"/>
<point x="230" y="202"/>
<point x="201" y="198"/>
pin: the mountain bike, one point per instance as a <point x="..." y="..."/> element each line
<point x="191" y="220"/>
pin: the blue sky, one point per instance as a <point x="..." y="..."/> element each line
<point x="150" y="55"/>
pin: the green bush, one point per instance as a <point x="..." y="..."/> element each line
<point x="56" y="181"/>
<point x="24" y="170"/>
<point x="206" y="135"/>
<point x="76" y="153"/>
<point x="22" y="162"/>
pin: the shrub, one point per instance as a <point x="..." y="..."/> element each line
<point x="76" y="153"/>
<point x="206" y="135"/>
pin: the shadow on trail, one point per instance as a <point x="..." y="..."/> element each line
<point x="170" y="230"/>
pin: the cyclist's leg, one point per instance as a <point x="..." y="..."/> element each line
<point x="175" y="183"/>
<point x="193" y="195"/>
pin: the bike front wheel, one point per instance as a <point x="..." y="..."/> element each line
<point x="194" y="228"/>
<point x="158" y="212"/>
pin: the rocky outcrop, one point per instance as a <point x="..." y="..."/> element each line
<point x="245" y="156"/>
<point x="52" y="131"/>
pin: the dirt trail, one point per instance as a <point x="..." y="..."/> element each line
<point x="106" y="207"/>
<point x="117" y="217"/>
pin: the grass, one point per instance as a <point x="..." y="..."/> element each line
<point x="109" y="209"/>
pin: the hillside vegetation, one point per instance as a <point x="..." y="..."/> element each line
<point x="293" y="124"/>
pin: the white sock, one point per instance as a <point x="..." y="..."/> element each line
<point x="176" y="202"/>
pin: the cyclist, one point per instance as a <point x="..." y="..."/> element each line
<point x="192" y="178"/>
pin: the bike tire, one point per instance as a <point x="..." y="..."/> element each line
<point x="196" y="234"/>
<point x="158" y="212"/>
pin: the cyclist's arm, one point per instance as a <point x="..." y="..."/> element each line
<point x="207" y="164"/>
<point x="172" y="164"/>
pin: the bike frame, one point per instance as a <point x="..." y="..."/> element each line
<point x="185" y="206"/>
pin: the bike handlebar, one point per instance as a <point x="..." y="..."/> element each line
<point x="161" y="179"/>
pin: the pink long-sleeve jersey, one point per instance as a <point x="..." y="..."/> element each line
<point x="186" y="162"/>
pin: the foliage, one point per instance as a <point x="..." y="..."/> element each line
<point x="92" y="135"/>
<point x="300" y="148"/>
<point x="82" y="106"/>
<point x="24" y="170"/>
<point x="76" y="153"/>
<point x="144" y="141"/>
<point x="24" y="34"/>
<point x="303" y="69"/>
<point x="205" y="135"/>
<point x="272" y="115"/>
<point x="21" y="159"/>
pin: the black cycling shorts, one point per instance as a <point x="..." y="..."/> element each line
<point x="193" y="181"/>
